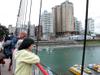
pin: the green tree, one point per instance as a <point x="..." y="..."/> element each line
<point x="3" y="30"/>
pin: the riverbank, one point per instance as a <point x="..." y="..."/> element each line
<point x="56" y="42"/>
<point x="65" y="46"/>
<point x="90" y="42"/>
<point x="69" y="43"/>
<point x="61" y="44"/>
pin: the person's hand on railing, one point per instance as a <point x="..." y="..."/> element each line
<point x="42" y="69"/>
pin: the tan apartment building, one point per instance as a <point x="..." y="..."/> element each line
<point x="59" y="21"/>
<point x="63" y="18"/>
<point x="54" y="20"/>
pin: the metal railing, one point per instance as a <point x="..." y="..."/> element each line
<point x="42" y="69"/>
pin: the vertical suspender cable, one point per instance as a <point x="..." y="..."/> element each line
<point x="28" y="32"/>
<point x="30" y="10"/>
<point x="26" y="12"/>
<point x="38" y="35"/>
<point x="0" y="69"/>
<point x="16" y="31"/>
<point x="18" y="16"/>
<point x="84" y="47"/>
<point x="38" y="28"/>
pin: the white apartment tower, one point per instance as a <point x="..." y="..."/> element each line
<point x="32" y="31"/>
<point x="78" y="26"/>
<point x="90" y="27"/>
<point x="11" y="29"/>
<point x="47" y="24"/>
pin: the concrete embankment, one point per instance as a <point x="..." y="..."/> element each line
<point x="46" y="43"/>
<point x="66" y="43"/>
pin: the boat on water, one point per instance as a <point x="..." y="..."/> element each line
<point x="95" y="67"/>
<point x="87" y="70"/>
<point x="76" y="69"/>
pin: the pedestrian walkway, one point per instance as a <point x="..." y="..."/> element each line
<point x="4" y="68"/>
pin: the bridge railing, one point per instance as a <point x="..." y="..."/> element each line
<point x="41" y="69"/>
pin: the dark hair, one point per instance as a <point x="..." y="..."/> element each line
<point x="26" y="43"/>
<point x="1" y="38"/>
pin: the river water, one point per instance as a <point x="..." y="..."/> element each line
<point x="62" y="58"/>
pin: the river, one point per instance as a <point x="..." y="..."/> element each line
<point x="62" y="58"/>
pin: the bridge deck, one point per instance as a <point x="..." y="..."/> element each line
<point x="4" y="68"/>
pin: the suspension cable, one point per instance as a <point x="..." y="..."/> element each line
<point x="28" y="32"/>
<point x="38" y="30"/>
<point x="38" y="27"/>
<point x="18" y="16"/>
<point x="30" y="10"/>
<point x="26" y="12"/>
<point x="84" y="47"/>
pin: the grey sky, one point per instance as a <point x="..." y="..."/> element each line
<point x="9" y="10"/>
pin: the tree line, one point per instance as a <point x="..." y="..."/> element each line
<point x="3" y="31"/>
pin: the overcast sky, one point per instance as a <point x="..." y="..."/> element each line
<point x="9" y="10"/>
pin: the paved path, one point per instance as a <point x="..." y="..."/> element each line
<point x="4" y="68"/>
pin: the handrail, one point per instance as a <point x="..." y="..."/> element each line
<point x="49" y="69"/>
<point x="42" y="69"/>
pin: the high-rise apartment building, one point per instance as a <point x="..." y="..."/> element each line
<point x="47" y="24"/>
<point x="38" y="32"/>
<point x="54" y="20"/>
<point x="63" y="18"/>
<point x="11" y="29"/>
<point x="77" y="26"/>
<point x="59" y="16"/>
<point x="90" y="26"/>
<point x="32" y="31"/>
